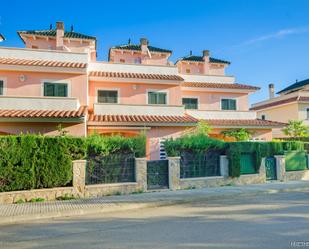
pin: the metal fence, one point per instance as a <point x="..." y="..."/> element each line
<point x="115" y="168"/>
<point x="247" y="164"/>
<point x="200" y="164"/>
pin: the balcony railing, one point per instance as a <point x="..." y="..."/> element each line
<point x="41" y="54"/>
<point x="123" y="109"/>
<point x="199" y="114"/>
<point x="38" y="103"/>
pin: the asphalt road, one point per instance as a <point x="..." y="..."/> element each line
<point x="264" y="221"/>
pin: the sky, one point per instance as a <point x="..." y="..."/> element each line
<point x="267" y="41"/>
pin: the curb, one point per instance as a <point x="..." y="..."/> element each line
<point x="117" y="207"/>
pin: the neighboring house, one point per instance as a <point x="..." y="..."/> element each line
<point x="56" y="80"/>
<point x="291" y="104"/>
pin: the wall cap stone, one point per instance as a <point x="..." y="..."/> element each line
<point x="140" y="158"/>
<point x="173" y="157"/>
<point x="108" y="185"/>
<point x="201" y="178"/>
<point x="35" y="191"/>
<point x="79" y="161"/>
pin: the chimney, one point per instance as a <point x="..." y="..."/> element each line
<point x="144" y="45"/>
<point x="59" y="34"/>
<point x="206" y="61"/>
<point x="271" y="89"/>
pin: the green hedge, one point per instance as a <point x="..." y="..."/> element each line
<point x="35" y="161"/>
<point x="195" y="143"/>
<point x="31" y="162"/>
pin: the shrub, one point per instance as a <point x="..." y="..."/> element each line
<point x="34" y="161"/>
<point x="194" y="143"/>
<point x="106" y="145"/>
<point x="238" y="134"/>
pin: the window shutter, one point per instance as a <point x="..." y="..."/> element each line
<point x="232" y="104"/>
<point x="62" y="90"/>
<point x="224" y="104"/>
<point x="49" y="89"/>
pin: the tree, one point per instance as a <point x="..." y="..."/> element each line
<point x="296" y="128"/>
<point x="202" y="128"/>
<point x="239" y="134"/>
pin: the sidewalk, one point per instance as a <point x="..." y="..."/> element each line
<point x="16" y="213"/>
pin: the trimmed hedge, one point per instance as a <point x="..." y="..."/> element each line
<point x="197" y="143"/>
<point x="32" y="162"/>
<point x="35" y="161"/>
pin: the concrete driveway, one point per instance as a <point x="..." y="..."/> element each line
<point x="264" y="221"/>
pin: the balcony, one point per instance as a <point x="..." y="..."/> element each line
<point x="38" y="103"/>
<point x="41" y="54"/>
<point x="204" y="114"/>
<point x="123" y="109"/>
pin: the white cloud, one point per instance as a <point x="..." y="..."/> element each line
<point x="279" y="34"/>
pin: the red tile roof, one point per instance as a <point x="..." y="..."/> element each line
<point x="244" y="122"/>
<point x="140" y="119"/>
<point x="41" y="63"/>
<point x="81" y="112"/>
<point x="219" y="85"/>
<point x="135" y="75"/>
<point x="280" y="102"/>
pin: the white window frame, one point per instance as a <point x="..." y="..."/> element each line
<point x="106" y="89"/>
<point x="228" y="98"/>
<point x="157" y="91"/>
<point x="53" y="81"/>
<point x="191" y="97"/>
<point x="4" y="79"/>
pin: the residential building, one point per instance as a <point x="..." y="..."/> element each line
<point x="292" y="103"/>
<point x="57" y="79"/>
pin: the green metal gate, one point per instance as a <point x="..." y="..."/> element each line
<point x="271" y="169"/>
<point x="157" y="174"/>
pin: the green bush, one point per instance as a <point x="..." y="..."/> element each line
<point x="34" y="161"/>
<point x="106" y="145"/>
<point x="195" y="143"/>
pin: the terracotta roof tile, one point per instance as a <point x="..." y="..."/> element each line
<point x="135" y="75"/>
<point x="41" y="63"/>
<point x="219" y="85"/>
<point x="140" y="119"/>
<point x="81" y="112"/>
<point x="244" y="122"/>
<point x="280" y="102"/>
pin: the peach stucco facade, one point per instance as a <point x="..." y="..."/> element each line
<point x="68" y="59"/>
<point x="30" y="84"/>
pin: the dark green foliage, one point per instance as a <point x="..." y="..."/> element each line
<point x="106" y="145"/>
<point x="194" y="143"/>
<point x="35" y="161"/>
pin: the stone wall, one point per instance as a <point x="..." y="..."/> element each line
<point x="26" y="195"/>
<point x="80" y="189"/>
